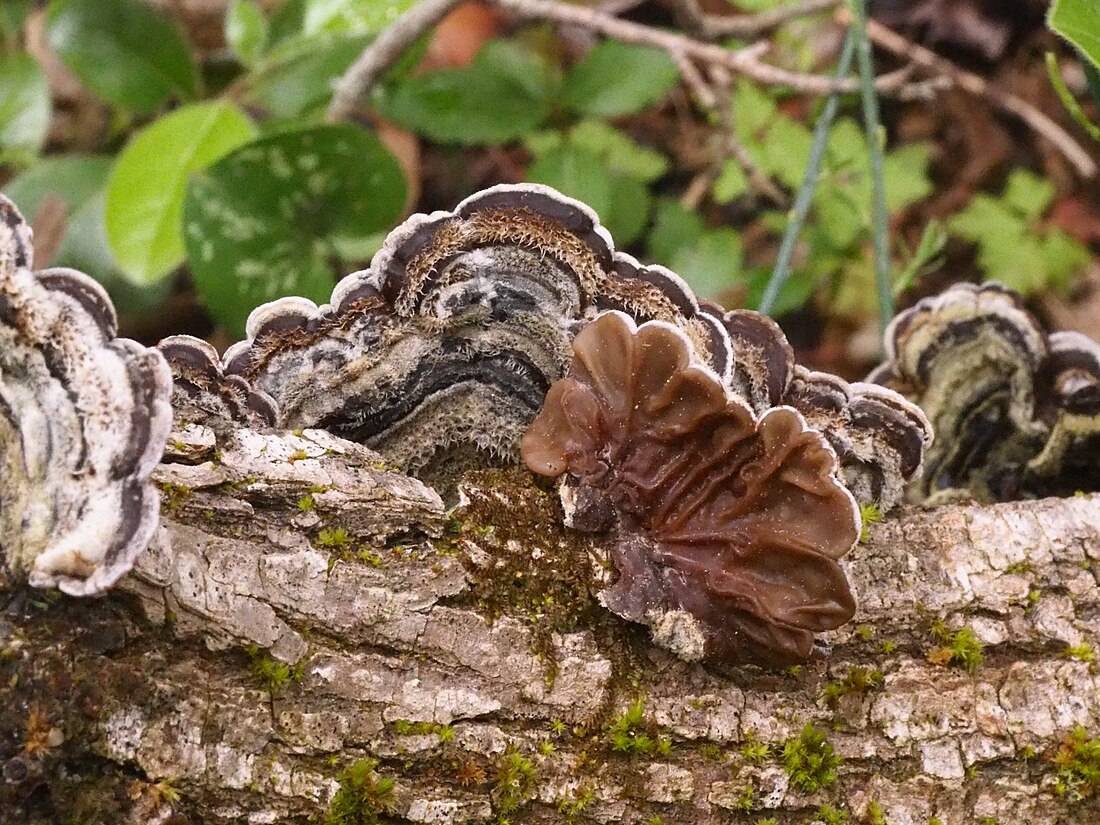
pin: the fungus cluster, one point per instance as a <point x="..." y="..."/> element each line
<point x="727" y="524"/>
<point x="1016" y="411"/>
<point x="84" y="417"/>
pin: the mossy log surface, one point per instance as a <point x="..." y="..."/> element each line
<point x="303" y="608"/>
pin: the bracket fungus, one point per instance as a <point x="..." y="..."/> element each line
<point x="1016" y="411"/>
<point x="201" y="391"/>
<point x="450" y="340"/>
<point x="728" y="523"/>
<point x="84" y="417"/>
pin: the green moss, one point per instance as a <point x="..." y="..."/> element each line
<point x="1078" y="766"/>
<point x="173" y="496"/>
<point x="876" y="814"/>
<point x="546" y="747"/>
<point x="514" y="783"/>
<point x="305" y="503"/>
<point x="630" y="733"/>
<point x="403" y="727"/>
<point x="558" y="727"/>
<point x="864" y="633"/>
<point x="810" y="760"/>
<point x="271" y="674"/>
<point x="1083" y="652"/>
<point x="754" y="750"/>
<point x="746" y="800"/>
<point x="362" y="796"/>
<point x="1019" y="567"/>
<point x="297" y="455"/>
<point x="869" y="513"/>
<point x="576" y="803"/>
<point x="961" y="648"/>
<point x="333" y="537"/>
<point x="832" y="816"/>
<point x="988" y="820"/>
<point x="858" y="680"/>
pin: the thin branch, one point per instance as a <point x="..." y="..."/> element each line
<point x="880" y="35"/>
<point x="805" y="197"/>
<point x="383" y="52"/>
<point x="713" y="27"/>
<point x="744" y="61"/>
<point x="880" y="230"/>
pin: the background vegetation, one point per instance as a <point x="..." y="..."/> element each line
<point x="180" y="152"/>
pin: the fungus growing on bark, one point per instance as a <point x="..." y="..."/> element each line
<point x="728" y="524"/>
<point x="84" y="417"/>
<point x="448" y="343"/>
<point x="878" y="436"/>
<point x="201" y="391"/>
<point x="1016" y="412"/>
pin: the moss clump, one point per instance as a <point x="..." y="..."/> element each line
<point x="628" y="732"/>
<point x="754" y="750"/>
<point x="576" y="803"/>
<point x="858" y="680"/>
<point x="272" y="675"/>
<point x="876" y="814"/>
<point x="832" y="816"/>
<point x="810" y="760"/>
<point x="961" y="648"/>
<point x="1083" y="652"/>
<point x="1078" y="764"/>
<point x="336" y="538"/>
<point x="515" y="781"/>
<point x="869" y="513"/>
<point x="363" y="795"/>
<point x="403" y="727"/>
<point x="306" y="503"/>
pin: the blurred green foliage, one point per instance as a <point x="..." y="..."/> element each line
<point x="222" y="161"/>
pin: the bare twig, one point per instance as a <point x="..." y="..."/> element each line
<point x="382" y="53"/>
<point x="744" y="61"/>
<point x="890" y="40"/>
<point x="712" y="27"/>
<point x="732" y="146"/>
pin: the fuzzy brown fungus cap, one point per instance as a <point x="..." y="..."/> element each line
<point x="443" y="350"/>
<point x="84" y="418"/>
<point x="1068" y="390"/>
<point x="202" y="392"/>
<point x="1016" y="412"/>
<point x="729" y="524"/>
<point x="880" y="437"/>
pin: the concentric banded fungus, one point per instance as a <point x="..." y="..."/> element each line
<point x="201" y="391"/>
<point x="84" y="417"/>
<point x="1015" y="412"/>
<point x="729" y="525"/>
<point x="453" y="336"/>
<point x="878" y="436"/>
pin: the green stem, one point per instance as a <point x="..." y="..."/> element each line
<point x="804" y="199"/>
<point x="880" y="229"/>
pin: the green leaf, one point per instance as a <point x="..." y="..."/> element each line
<point x="616" y="79"/>
<point x="352" y="16"/>
<point x="712" y="265"/>
<point x="286" y="21"/>
<point x="621" y="152"/>
<point x="123" y="51"/>
<point x="577" y="173"/>
<point x="24" y="105"/>
<point x="269" y="219"/>
<point x="674" y="227"/>
<point x="1027" y="193"/>
<point x="298" y="80"/>
<point x="246" y="30"/>
<point x="731" y="182"/>
<point x="12" y="15"/>
<point x="145" y="192"/>
<point x="630" y="207"/>
<point x="78" y="182"/>
<point x="1078" y="21"/>
<point x="504" y="94"/>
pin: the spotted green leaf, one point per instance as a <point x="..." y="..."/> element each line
<point x="271" y="218"/>
<point x="145" y="192"/>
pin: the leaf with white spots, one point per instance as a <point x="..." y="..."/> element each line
<point x="145" y="192"/>
<point x="269" y="219"/>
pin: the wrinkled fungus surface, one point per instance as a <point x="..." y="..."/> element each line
<point x="84" y="417"/>
<point x="1016" y="411"/>
<point x="728" y="524"/>
<point x="202" y="392"/>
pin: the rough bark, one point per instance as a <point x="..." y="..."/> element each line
<point x="465" y="652"/>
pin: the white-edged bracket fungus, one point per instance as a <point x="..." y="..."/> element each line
<point x="84" y="417"/>
<point x="1016" y="411"/>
